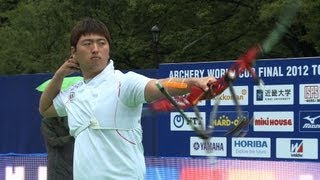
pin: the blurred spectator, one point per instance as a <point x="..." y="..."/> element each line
<point x="59" y="145"/>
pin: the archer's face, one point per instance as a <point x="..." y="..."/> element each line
<point x="92" y="54"/>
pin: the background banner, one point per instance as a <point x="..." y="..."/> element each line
<point x="286" y="112"/>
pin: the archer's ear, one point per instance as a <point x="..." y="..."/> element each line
<point x="72" y="50"/>
<point x="72" y="53"/>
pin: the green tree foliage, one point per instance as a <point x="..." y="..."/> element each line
<point x="34" y="34"/>
<point x="35" y="39"/>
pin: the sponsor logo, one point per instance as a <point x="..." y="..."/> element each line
<point x="251" y="147"/>
<point x="226" y="99"/>
<point x="71" y="96"/>
<point x="216" y="146"/>
<point x="273" y="121"/>
<point x="273" y="95"/>
<point x="309" y="121"/>
<point x="224" y="120"/>
<point x="208" y="146"/>
<point x="246" y="143"/>
<point x="296" y="148"/>
<point x="259" y="95"/>
<point x="304" y="148"/>
<point x="178" y="123"/>
<point x="309" y="93"/>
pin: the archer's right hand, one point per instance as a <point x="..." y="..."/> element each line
<point x="70" y="66"/>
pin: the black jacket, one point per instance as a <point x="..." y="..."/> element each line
<point x="59" y="145"/>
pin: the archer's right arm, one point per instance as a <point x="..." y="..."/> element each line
<point x="46" y="107"/>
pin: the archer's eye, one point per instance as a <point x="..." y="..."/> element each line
<point x="87" y="43"/>
<point x="102" y="42"/>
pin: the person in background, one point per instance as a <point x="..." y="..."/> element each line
<point x="59" y="146"/>
<point x="104" y="110"/>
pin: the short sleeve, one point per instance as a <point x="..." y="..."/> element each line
<point x="132" y="89"/>
<point x="59" y="103"/>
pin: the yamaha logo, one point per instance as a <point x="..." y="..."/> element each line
<point x="196" y="146"/>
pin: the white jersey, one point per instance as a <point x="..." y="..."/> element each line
<point x="104" y="117"/>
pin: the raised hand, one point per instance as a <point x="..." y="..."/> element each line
<point x="70" y="66"/>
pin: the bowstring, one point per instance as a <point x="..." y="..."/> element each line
<point x="284" y="22"/>
<point x="202" y="131"/>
